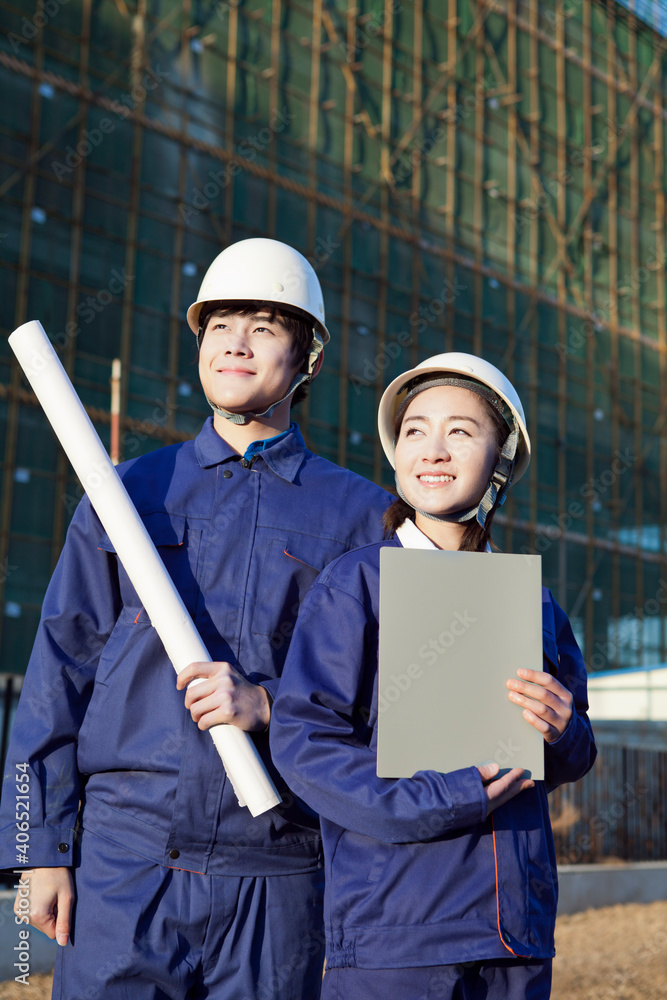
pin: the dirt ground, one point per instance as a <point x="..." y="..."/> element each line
<point x="617" y="953"/>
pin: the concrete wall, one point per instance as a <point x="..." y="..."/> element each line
<point x="584" y="887"/>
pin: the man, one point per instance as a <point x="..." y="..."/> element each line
<point x="144" y="867"/>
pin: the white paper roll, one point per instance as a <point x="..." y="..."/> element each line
<point x="134" y="548"/>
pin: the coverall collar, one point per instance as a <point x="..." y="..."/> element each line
<point x="412" y="537"/>
<point x="284" y="457"/>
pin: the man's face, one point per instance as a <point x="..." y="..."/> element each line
<point x="246" y="363"/>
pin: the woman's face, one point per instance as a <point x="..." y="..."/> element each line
<point x="446" y="450"/>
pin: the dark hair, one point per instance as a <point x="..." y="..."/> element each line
<point x="297" y="324"/>
<point x="475" y="537"/>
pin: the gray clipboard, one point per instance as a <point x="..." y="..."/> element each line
<point x="454" y="626"/>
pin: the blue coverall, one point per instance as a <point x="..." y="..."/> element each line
<point x="100" y="723"/>
<point x="417" y="877"/>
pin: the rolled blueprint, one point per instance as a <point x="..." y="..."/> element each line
<point x="134" y="547"/>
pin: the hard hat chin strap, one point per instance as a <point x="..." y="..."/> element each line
<point x="314" y="365"/>
<point x="501" y="479"/>
<point x="456" y="517"/>
<point x="496" y="491"/>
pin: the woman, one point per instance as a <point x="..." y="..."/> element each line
<point x="439" y="885"/>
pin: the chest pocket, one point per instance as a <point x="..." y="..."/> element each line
<point x="289" y="567"/>
<point x="178" y="546"/>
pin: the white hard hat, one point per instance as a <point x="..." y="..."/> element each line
<point x="262" y="270"/>
<point x="468" y="367"/>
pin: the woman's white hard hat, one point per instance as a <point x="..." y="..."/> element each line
<point x="465" y="366"/>
<point x="263" y="271"/>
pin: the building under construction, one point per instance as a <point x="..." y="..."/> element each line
<point x="469" y="175"/>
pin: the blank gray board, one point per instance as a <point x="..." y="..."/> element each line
<point x="454" y="626"/>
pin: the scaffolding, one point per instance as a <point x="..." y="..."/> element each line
<point x="469" y="175"/>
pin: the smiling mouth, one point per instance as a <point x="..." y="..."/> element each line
<point x="444" y="478"/>
<point x="234" y="371"/>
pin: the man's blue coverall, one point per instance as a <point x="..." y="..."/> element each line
<point x="113" y="754"/>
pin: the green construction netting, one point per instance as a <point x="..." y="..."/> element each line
<point x="108" y="222"/>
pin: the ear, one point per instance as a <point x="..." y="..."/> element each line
<point x="318" y="365"/>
